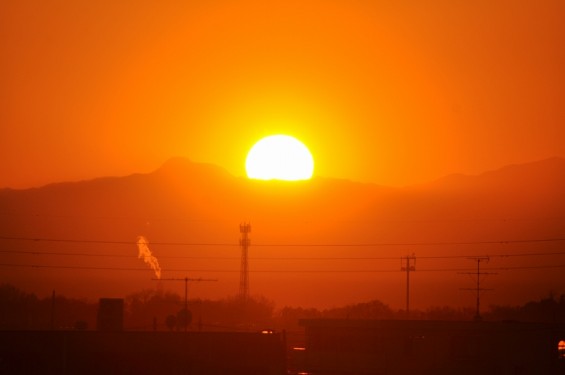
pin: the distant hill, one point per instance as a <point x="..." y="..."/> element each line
<point x="190" y="213"/>
<point x="543" y="174"/>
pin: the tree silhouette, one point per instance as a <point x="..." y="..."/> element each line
<point x="171" y="322"/>
<point x="184" y="318"/>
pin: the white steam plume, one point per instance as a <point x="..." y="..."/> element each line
<point x="148" y="258"/>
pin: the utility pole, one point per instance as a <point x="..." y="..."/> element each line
<point x="409" y="266"/>
<point x="478" y="274"/>
<point x="186" y="280"/>
<point x="244" y="242"/>
<point x="53" y="310"/>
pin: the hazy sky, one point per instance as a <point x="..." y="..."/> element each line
<point x="392" y="92"/>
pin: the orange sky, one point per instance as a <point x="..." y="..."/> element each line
<point x="392" y="92"/>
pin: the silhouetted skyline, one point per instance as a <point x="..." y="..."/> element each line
<point x="314" y="243"/>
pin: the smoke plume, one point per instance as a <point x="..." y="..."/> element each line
<point x="148" y="258"/>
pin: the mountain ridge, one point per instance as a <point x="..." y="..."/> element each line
<point x="199" y="208"/>
<point x="554" y="166"/>
<point x="175" y="164"/>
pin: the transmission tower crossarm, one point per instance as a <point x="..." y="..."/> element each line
<point x="478" y="288"/>
<point x="409" y="267"/>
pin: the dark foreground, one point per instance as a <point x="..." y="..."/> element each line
<point x="398" y="347"/>
<point x="95" y="352"/>
<point x="331" y="346"/>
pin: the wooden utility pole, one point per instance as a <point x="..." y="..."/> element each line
<point x="186" y="280"/>
<point x="478" y="274"/>
<point x="409" y="266"/>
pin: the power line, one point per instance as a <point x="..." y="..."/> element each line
<point x="38" y="239"/>
<point x="265" y="220"/>
<point x="369" y="244"/>
<point x="18" y="265"/>
<point x="183" y="269"/>
<point x="113" y="255"/>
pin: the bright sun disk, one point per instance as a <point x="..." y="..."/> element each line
<point x="279" y="157"/>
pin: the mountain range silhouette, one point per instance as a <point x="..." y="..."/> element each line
<point x="190" y="213"/>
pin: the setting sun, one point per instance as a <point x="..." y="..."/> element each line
<point x="182" y="182"/>
<point x="279" y="157"/>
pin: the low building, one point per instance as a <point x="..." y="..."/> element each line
<point x="348" y="346"/>
<point x="114" y="352"/>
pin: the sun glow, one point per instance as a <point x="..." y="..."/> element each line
<point x="279" y="157"/>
